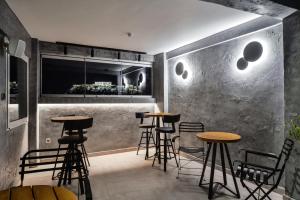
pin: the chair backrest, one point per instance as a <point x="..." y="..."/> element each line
<point x="141" y="116"/>
<point x="283" y="157"/>
<point x="78" y="125"/>
<point x="187" y="133"/>
<point x="171" y="119"/>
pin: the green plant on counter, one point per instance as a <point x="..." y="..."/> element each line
<point x="294" y="130"/>
<point x="132" y="90"/>
<point x="96" y="89"/>
<point x="78" y="89"/>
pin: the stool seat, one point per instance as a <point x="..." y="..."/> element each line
<point x="146" y="126"/>
<point x="166" y="129"/>
<point x="72" y="139"/>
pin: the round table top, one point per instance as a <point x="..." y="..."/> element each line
<point x="62" y="119"/>
<point x="158" y="114"/>
<point x="219" y="137"/>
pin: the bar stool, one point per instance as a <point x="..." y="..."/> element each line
<point x="146" y="134"/>
<point x="74" y="138"/>
<point x="167" y="130"/>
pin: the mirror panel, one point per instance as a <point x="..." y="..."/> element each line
<point x="17" y="89"/>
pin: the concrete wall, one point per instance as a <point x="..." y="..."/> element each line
<point x="158" y="80"/>
<point x="249" y="102"/>
<point x="261" y="7"/>
<point x="13" y="143"/>
<point x="291" y="32"/>
<point x="115" y="125"/>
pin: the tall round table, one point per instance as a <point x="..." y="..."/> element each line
<point x="157" y="116"/>
<point x="213" y="139"/>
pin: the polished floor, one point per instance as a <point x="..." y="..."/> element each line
<point x="126" y="176"/>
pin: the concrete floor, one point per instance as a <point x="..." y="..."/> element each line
<point x="126" y="176"/>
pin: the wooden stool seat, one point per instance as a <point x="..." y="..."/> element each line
<point x="37" y="192"/>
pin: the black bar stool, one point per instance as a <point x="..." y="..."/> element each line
<point x="167" y="141"/>
<point x="73" y="141"/>
<point x="146" y="134"/>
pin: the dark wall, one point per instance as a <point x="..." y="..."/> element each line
<point x="248" y="102"/>
<point x="158" y="80"/>
<point x="13" y="143"/>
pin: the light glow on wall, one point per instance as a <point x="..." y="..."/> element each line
<point x="251" y="66"/>
<point x="184" y="74"/>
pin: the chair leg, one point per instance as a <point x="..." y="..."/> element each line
<point x="85" y="155"/>
<point x="139" y="145"/>
<point x="78" y="169"/>
<point x="174" y="154"/>
<point x="179" y="165"/>
<point x="58" y="150"/>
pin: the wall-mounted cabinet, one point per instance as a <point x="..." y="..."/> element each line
<point x="76" y="76"/>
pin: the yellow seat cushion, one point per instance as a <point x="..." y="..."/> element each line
<point x="64" y="194"/>
<point x="21" y="193"/>
<point x="4" y="195"/>
<point x="43" y="192"/>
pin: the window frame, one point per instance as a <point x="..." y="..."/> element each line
<point x="92" y="59"/>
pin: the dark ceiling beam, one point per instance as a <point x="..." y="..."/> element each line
<point x="261" y="7"/>
<point x="290" y="3"/>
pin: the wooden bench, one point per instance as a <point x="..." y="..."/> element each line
<point x="37" y="192"/>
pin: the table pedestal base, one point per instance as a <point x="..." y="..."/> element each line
<point x="212" y="172"/>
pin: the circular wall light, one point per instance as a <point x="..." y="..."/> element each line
<point x="185" y="74"/>
<point x="179" y="68"/>
<point x="242" y="64"/>
<point x="253" y="51"/>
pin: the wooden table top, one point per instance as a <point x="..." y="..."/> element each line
<point x="62" y="119"/>
<point x="37" y="192"/>
<point x="158" y="114"/>
<point x="219" y="137"/>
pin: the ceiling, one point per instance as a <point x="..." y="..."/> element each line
<point x="156" y="25"/>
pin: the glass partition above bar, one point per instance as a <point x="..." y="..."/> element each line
<point x="69" y="76"/>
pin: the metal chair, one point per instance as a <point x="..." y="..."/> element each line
<point x="45" y="164"/>
<point x="188" y="146"/>
<point x="262" y="175"/>
<point x="146" y="134"/>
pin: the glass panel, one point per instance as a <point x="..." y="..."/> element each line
<point x="103" y="78"/>
<point x="17" y="106"/>
<point x="62" y="76"/>
<point x="136" y="80"/>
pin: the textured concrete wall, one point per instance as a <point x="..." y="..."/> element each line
<point x="158" y="80"/>
<point x="115" y="126"/>
<point x="261" y="7"/>
<point x="33" y="93"/>
<point x="249" y="102"/>
<point x="291" y="31"/>
<point x="13" y="143"/>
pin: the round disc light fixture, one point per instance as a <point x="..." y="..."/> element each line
<point x="242" y="64"/>
<point x="253" y="51"/>
<point x="185" y="74"/>
<point x="179" y="68"/>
